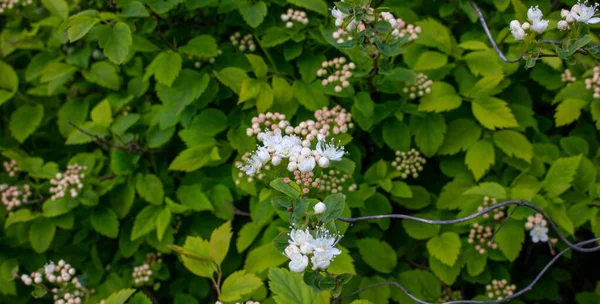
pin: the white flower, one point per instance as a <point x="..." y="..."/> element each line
<point x="525" y="25"/>
<point x="564" y="13"/>
<point x="289" y="146"/>
<point x="49" y="268"/>
<point x="291" y="251"/>
<point x="339" y="22"/>
<point x="271" y="142"/>
<point x="299" y="263"/>
<point x="584" y="13"/>
<point x="352" y="26"/>
<point x="285" y="17"/>
<point x="539" y="25"/>
<point x="276" y="160"/>
<point x="337" y="14"/>
<point x="320" y="208"/>
<point x="514" y="25"/>
<point x="306" y="164"/>
<point x="534" y="14"/>
<point x="323" y="162"/>
<point x="321" y="260"/>
<point x="330" y="151"/>
<point x="292" y="166"/>
<point x="539" y="233"/>
<point x="323" y="248"/>
<point x="263" y="154"/>
<point x="393" y="23"/>
<point x="300" y="237"/>
<point x="563" y="25"/>
<point x="253" y="166"/>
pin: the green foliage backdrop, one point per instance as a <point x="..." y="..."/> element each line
<point x="121" y="123"/>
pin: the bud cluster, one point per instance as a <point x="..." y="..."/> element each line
<point x="333" y="180"/>
<point x="450" y="295"/>
<point x="6" y="5"/>
<point x="481" y="235"/>
<point x="567" y="76"/>
<point x="200" y="59"/>
<point x="243" y="44"/>
<point x="420" y="88"/>
<point x="498" y="213"/>
<point x="11" y="167"/>
<point x="64" y="286"/>
<point x="409" y="163"/>
<point x="594" y="82"/>
<point x="400" y="28"/>
<point x="294" y="16"/>
<point x="336" y="72"/>
<point x="305" y="180"/>
<point x="500" y="289"/>
<point x="274" y="121"/>
<point x="142" y="274"/>
<point x="69" y="181"/>
<point x="538" y="25"/>
<point x="14" y="196"/>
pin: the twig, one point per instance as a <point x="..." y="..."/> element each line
<point x="503" y="223"/>
<point x="108" y="177"/>
<point x="132" y="147"/>
<point x="237" y="211"/>
<point x="150" y="295"/>
<point x="515" y="295"/>
<point x="470" y="217"/>
<point x="160" y="33"/>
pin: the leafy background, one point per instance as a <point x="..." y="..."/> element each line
<point x="166" y="132"/>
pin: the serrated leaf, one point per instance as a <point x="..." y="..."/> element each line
<point x="480" y="157"/>
<point x="165" y="67"/>
<point x="560" y="175"/>
<point x="41" y="234"/>
<point x="150" y="188"/>
<point x="239" y="284"/>
<point x="219" y="242"/>
<point x="377" y="254"/>
<point x="445" y="247"/>
<point x="429" y="132"/>
<point x="232" y="78"/>
<point x="514" y="143"/>
<point x="196" y="258"/>
<point x="201" y="46"/>
<point x="462" y="134"/>
<point x="289" y="288"/>
<point x="253" y="13"/>
<point x="396" y="135"/>
<point x="105" y="221"/>
<point x="568" y="111"/>
<point x="59" y="8"/>
<point x="145" y="221"/>
<point x="25" y="120"/>
<point x="163" y="221"/>
<point x="120" y="297"/>
<point x="79" y="26"/>
<point x="493" y="113"/>
<point x="115" y="41"/>
<point x="510" y="239"/>
<point x="102" y="113"/>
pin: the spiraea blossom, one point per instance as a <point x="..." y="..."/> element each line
<point x="567" y="76"/>
<point x="60" y="280"/>
<point x="538" y="230"/>
<point x="243" y="43"/>
<point x="68" y="182"/>
<point x="583" y="13"/>
<point x="6" y="5"/>
<point x="500" y="289"/>
<point x="14" y="197"/>
<point x="537" y="25"/>
<point x="420" y="88"/>
<point x="11" y="167"/>
<point x="593" y="83"/>
<point x="481" y="233"/>
<point x="409" y="163"/>
<point x="320" y="248"/>
<point x="201" y="59"/>
<point x="294" y="16"/>
<point x="336" y="72"/>
<point x="320" y="208"/>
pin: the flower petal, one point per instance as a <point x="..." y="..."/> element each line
<point x="594" y="20"/>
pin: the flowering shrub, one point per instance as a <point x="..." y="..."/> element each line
<point x="287" y="151"/>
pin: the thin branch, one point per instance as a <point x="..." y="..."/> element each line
<point x="472" y="216"/>
<point x="132" y="146"/>
<point x="513" y="296"/>
<point x="503" y="223"/>
<point x="160" y="33"/>
<point x="150" y="295"/>
<point x="237" y="211"/>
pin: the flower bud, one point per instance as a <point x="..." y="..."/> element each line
<point x="525" y="25"/>
<point x="320" y="208"/>
<point x="562" y="25"/>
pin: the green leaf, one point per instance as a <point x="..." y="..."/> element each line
<point x="102" y="113"/>
<point x="9" y="82"/>
<point x="445" y="247"/>
<point x="289" y="288"/>
<point x="510" y="239"/>
<point x="105" y="221"/>
<point x="335" y="204"/>
<point x="574" y="145"/>
<point x="434" y="34"/>
<point x="20" y="216"/>
<point x="265" y="99"/>
<point x="282" y="90"/>
<point x="41" y="234"/>
<point x="191" y="159"/>
<point x="274" y="36"/>
<point x="447" y="274"/>
<point x="79" y="26"/>
<point x="514" y="143"/>
<point x="104" y="74"/>
<point x="115" y="41"/>
<point x="462" y="134"/>
<point x="232" y="78"/>
<point x="120" y="297"/>
<point x="429" y="132"/>
<point x="396" y="135"/>
<point x="401" y="189"/>
<point x="25" y="120"/>
<point x="318" y="6"/>
<point x="201" y="46"/>
<point x="253" y="13"/>
<point x="311" y="96"/>
<point x="165" y="67"/>
<point x="134" y="9"/>
<point x="193" y="197"/>
<point x="258" y="65"/>
<point x="484" y="63"/>
<point x="77" y="137"/>
<point x="493" y="113"/>
<point x="490" y="189"/>
<point x="246" y="236"/>
<point x="561" y="175"/>
<point x="377" y="254"/>
<point x="364" y="103"/>
<point x="121" y="199"/>
<point x="422" y="284"/>
<point x="239" y="284"/>
<point x="430" y="61"/>
<point x="441" y="99"/>
<point x="568" y="111"/>
<point x="140" y="298"/>
<point x="196" y="258"/>
<point x="188" y="87"/>
<point x="421" y="231"/>
<point x="150" y="188"/>
<point x="290" y="189"/>
<point x="163" y="221"/>
<point x="219" y="242"/>
<point x="476" y="262"/>
<point x="480" y="157"/>
<point x="145" y="221"/>
<point x="59" y="8"/>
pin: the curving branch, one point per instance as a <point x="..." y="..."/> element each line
<point x="508" y="298"/>
<point x="132" y="146"/>
<point x="472" y="216"/>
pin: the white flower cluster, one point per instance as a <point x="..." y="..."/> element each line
<point x="69" y="181"/>
<point x="580" y="12"/>
<point x="500" y="289"/>
<point x="142" y="274"/>
<point x="398" y="28"/>
<point x="294" y="16"/>
<point x="243" y="44"/>
<point x="336" y="72"/>
<point x="11" y="167"/>
<point x="498" y="213"/>
<point x="420" y="88"/>
<point x="200" y="59"/>
<point x="409" y="163"/>
<point x="302" y="244"/>
<point x="68" y="289"/>
<point x="480" y="235"/>
<point x="537" y="226"/>
<point x="6" y="5"/>
<point x="534" y="15"/>
<point x="567" y="76"/>
<point x="14" y="196"/>
<point x="333" y="180"/>
<point x="594" y="82"/>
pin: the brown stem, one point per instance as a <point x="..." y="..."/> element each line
<point x="150" y="295"/>
<point x="160" y="33"/>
